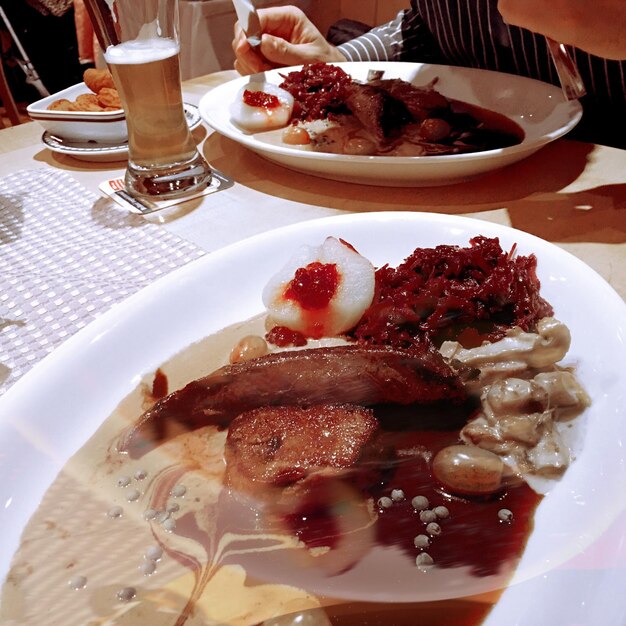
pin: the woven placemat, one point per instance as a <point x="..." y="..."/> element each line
<point x="66" y="256"/>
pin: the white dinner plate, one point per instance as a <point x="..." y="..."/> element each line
<point x="539" y="108"/>
<point x="105" y="152"/>
<point x="47" y="415"/>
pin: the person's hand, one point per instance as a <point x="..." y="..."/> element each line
<point x="597" y="27"/>
<point x="289" y="38"/>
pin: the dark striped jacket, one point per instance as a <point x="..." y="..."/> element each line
<point x="471" y="33"/>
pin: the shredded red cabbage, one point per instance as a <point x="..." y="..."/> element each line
<point x="449" y="292"/>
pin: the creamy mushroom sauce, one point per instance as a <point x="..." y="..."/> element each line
<point x="157" y="542"/>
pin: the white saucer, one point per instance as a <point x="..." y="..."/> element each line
<point x="105" y="152"/>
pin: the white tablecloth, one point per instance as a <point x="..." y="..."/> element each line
<point x="67" y="255"/>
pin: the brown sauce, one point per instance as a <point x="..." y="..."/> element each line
<point x="472" y="535"/>
<point x="457" y="612"/>
<point x="444" y="613"/>
<point x="159" y="385"/>
<point x="511" y="132"/>
<point x="224" y="562"/>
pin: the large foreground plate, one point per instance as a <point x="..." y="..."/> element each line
<point x="46" y="416"/>
<point x="539" y="108"/>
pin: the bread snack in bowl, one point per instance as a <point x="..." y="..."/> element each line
<point x="90" y="111"/>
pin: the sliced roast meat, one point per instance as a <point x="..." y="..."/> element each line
<point x="381" y="114"/>
<point x="278" y="446"/>
<point x="420" y="102"/>
<point x="353" y="374"/>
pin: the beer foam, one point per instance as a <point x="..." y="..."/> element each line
<point x="141" y="51"/>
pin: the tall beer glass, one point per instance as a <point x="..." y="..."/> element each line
<point x="141" y="47"/>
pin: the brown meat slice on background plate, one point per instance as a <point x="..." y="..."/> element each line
<point x="380" y="113"/>
<point x="421" y="102"/>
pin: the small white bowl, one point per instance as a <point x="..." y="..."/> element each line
<point x="98" y="126"/>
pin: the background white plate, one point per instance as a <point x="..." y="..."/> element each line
<point x="539" y="108"/>
<point x="46" y="416"/>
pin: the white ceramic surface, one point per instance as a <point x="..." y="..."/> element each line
<point x="539" y="108"/>
<point x="104" y="152"/>
<point x="98" y="126"/>
<point x="50" y="413"/>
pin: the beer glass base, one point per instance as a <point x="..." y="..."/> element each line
<point x="170" y="181"/>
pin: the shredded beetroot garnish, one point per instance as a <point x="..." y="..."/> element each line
<point x="319" y="90"/>
<point x="313" y="286"/>
<point x="260" y="99"/>
<point x="448" y="292"/>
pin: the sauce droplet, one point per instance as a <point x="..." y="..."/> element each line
<point x="504" y="515"/>
<point x="468" y="470"/>
<point x="248" y="347"/>
<point x="159" y="385"/>
<point x="397" y="495"/>
<point x="133" y="495"/>
<point x="141" y="474"/>
<point x="283" y="337"/>
<point x="77" y="582"/>
<point x="115" y="511"/>
<point x="424" y="561"/>
<point x="153" y="553"/>
<point x="126" y="594"/>
<point x="178" y="491"/>
<point x="420" y="503"/>
<point x="149" y="514"/>
<point x="385" y="502"/>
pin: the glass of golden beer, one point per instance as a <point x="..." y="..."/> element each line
<point x="141" y="47"/>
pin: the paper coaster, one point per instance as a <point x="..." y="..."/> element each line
<point x="116" y="190"/>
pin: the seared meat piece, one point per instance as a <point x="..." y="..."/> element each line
<point x="354" y="374"/>
<point x="380" y="113"/>
<point x="421" y="102"/>
<point x="278" y="446"/>
<point x="308" y="470"/>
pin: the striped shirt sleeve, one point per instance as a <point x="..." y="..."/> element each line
<point x="471" y="33"/>
<point x="405" y="38"/>
<point x="383" y="43"/>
